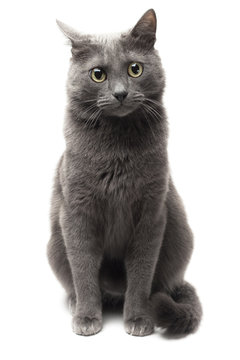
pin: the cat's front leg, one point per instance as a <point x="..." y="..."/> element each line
<point x="141" y="259"/>
<point x="84" y="255"/>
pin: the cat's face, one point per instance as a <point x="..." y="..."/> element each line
<point x="115" y="76"/>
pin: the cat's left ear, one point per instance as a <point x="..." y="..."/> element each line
<point x="144" y="32"/>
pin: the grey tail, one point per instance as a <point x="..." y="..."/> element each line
<point x="180" y="312"/>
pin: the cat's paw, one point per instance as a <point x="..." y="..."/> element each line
<point x="86" y="325"/>
<point x="139" y="326"/>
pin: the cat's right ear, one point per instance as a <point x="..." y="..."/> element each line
<point x="68" y="31"/>
<point x="79" y="42"/>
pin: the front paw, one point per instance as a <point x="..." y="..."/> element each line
<point x="139" y="326"/>
<point x="84" y="325"/>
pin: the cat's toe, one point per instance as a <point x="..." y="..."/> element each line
<point x="86" y="326"/>
<point x="139" y="326"/>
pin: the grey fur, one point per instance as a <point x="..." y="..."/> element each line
<point x="119" y="230"/>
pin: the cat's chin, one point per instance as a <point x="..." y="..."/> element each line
<point x="120" y="111"/>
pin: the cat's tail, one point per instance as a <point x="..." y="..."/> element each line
<point x="180" y="313"/>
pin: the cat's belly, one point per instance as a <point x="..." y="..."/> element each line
<point x="118" y="231"/>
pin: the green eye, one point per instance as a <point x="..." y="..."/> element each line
<point x="135" y="69"/>
<point x="98" y="75"/>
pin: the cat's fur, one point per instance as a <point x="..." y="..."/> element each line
<point x="119" y="230"/>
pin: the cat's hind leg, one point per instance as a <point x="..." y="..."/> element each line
<point x="56" y="250"/>
<point x="59" y="263"/>
<point x="175" y="303"/>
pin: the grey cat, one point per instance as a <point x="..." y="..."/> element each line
<point x="119" y="229"/>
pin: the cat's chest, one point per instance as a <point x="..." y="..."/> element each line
<point x="119" y="178"/>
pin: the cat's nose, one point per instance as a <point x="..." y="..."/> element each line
<point x="120" y="96"/>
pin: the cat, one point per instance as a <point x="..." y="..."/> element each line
<point x="119" y="233"/>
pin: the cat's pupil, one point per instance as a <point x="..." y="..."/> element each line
<point x="135" y="68"/>
<point x="98" y="73"/>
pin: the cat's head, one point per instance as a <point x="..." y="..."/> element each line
<point x="115" y="75"/>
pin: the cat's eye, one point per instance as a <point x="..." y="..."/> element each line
<point x="98" y="75"/>
<point x="135" y="69"/>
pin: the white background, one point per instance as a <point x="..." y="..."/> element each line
<point x="199" y="45"/>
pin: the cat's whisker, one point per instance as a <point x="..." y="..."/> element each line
<point x="137" y="100"/>
<point x="103" y="99"/>
<point x="148" y="107"/>
<point x="153" y="101"/>
<point x="156" y="105"/>
<point x="151" y="112"/>
<point x="154" y="115"/>
<point x="103" y="104"/>
<point x="88" y="120"/>
<point x="145" y="113"/>
<point x="97" y="118"/>
<point x="154" y="110"/>
<point x="138" y="95"/>
<point x="92" y="120"/>
<point x="87" y="101"/>
<point x="90" y="108"/>
<point x="140" y="98"/>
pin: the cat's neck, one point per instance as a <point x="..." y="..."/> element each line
<point x="132" y="133"/>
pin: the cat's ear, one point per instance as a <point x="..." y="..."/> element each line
<point x="68" y="31"/>
<point x="144" y="32"/>
<point x="80" y="43"/>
